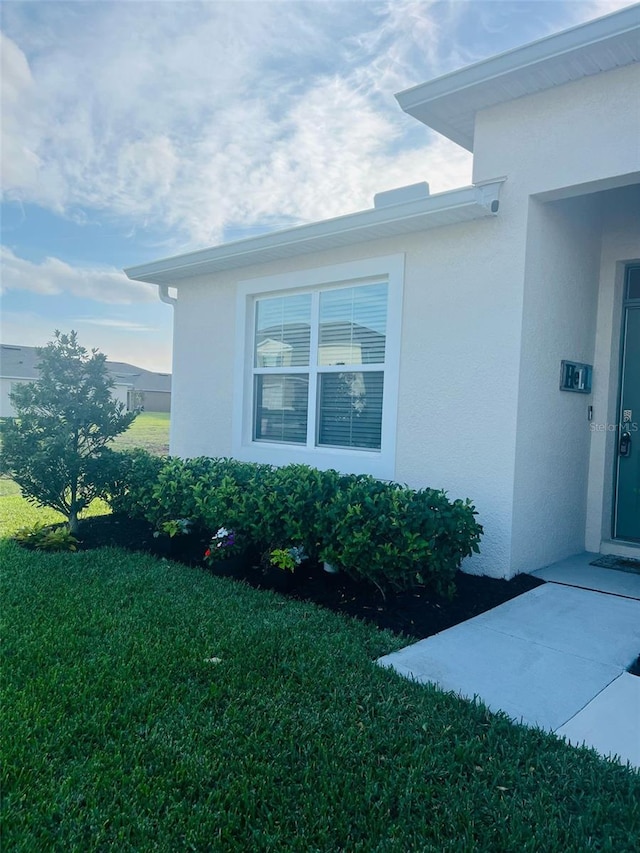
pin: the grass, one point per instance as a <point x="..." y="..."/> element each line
<point x="150" y="430"/>
<point x="147" y="706"/>
<point x="150" y="707"/>
<point x="16" y="512"/>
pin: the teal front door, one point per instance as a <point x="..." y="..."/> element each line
<point x="627" y="508"/>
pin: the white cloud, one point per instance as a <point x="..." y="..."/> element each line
<point x="111" y="323"/>
<point x="53" y="277"/>
<point x="196" y="117"/>
<point x="19" y="131"/>
<point x="193" y="118"/>
<point x="585" y="11"/>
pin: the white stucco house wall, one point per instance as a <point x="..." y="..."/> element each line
<point x="454" y="313"/>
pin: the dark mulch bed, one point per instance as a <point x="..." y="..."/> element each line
<point x="418" y="612"/>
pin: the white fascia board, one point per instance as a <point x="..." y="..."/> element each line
<point x="446" y="208"/>
<point x="620" y="28"/>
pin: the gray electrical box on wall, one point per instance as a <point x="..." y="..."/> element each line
<point x="575" y="376"/>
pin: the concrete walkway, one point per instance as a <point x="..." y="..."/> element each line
<point x="555" y="657"/>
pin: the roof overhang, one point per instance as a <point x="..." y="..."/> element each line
<point x="448" y="208"/>
<point x="449" y="103"/>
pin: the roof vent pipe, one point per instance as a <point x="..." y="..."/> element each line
<point x="402" y="195"/>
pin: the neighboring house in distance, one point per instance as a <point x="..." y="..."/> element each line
<point x="484" y="340"/>
<point x="134" y="386"/>
<point x="139" y="387"/>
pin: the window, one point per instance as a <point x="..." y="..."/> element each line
<point x="319" y="366"/>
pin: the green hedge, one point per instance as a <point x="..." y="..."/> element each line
<point x="397" y="537"/>
<point x="386" y="533"/>
<point x="288" y="507"/>
<point x="137" y="474"/>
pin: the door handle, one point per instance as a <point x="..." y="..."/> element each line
<point x="624" y="448"/>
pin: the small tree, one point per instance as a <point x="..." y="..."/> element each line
<point x="56" y="446"/>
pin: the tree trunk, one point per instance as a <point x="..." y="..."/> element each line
<point x="73" y="506"/>
<point x="74" y="524"/>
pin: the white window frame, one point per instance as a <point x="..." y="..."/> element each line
<point x="380" y="463"/>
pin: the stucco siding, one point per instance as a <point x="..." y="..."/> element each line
<point x="553" y="435"/>
<point x="580" y="133"/>
<point x="557" y="148"/>
<point x="202" y="389"/>
<point x="458" y="379"/>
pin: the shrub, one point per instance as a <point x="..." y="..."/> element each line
<point x="230" y="496"/>
<point x="304" y="493"/>
<point x="452" y="529"/>
<point x="396" y="537"/>
<point x="174" y="527"/>
<point x="132" y="487"/>
<point x="266" y="507"/>
<point x="283" y="507"/>
<point x="172" y="493"/>
<point x="382" y="532"/>
<point x="214" y="494"/>
<point x="42" y="537"/>
<point x="256" y="512"/>
<point x="287" y="559"/>
<point x="56" y="448"/>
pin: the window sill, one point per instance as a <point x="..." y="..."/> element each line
<point x="347" y="461"/>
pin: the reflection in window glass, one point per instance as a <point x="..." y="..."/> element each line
<point x="281" y="407"/>
<point x="283" y="331"/>
<point x="350" y="409"/>
<point x="353" y="323"/>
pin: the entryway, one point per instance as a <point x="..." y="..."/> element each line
<point x="627" y="474"/>
<point x="583" y="571"/>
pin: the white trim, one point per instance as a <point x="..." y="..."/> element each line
<point x="313" y="374"/>
<point x="379" y="463"/>
<point x="605" y="399"/>
<point x="620" y="548"/>
<point x="449" y="208"/>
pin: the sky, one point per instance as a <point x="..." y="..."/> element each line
<point x="133" y="131"/>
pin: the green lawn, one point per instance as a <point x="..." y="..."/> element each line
<point x="150" y="430"/>
<point x="16" y="512"/>
<point x="150" y="707"/>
